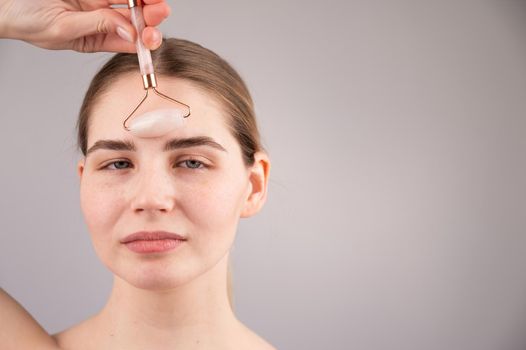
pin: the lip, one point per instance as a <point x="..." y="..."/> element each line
<point x="152" y="241"/>
<point x="151" y="236"/>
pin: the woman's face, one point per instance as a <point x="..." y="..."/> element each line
<point x="197" y="189"/>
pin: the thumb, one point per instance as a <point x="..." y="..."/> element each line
<point x="101" y="21"/>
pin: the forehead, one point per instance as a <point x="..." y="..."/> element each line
<point x="123" y="95"/>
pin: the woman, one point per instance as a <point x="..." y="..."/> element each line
<point x="194" y="182"/>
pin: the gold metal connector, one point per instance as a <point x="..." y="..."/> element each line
<point x="133" y="3"/>
<point x="149" y="80"/>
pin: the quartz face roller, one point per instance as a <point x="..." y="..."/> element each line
<point x="156" y="123"/>
<point x="161" y="122"/>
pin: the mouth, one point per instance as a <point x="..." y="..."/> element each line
<point x="152" y="241"/>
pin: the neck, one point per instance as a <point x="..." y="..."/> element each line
<point x="194" y="314"/>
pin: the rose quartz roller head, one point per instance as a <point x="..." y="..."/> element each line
<point x="161" y="121"/>
<point x="156" y="123"/>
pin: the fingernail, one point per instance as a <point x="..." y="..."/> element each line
<point x="124" y="34"/>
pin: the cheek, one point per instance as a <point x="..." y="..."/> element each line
<point x="211" y="211"/>
<point x="100" y="206"/>
<point x="214" y="204"/>
<point x="208" y="203"/>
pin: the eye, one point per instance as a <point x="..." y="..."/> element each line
<point x="117" y="165"/>
<point x="124" y="164"/>
<point x="192" y="164"/>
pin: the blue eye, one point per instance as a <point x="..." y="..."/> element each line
<point x="118" y="165"/>
<point x="124" y="164"/>
<point x="192" y="164"/>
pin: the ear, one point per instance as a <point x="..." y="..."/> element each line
<point x="258" y="177"/>
<point x="80" y="167"/>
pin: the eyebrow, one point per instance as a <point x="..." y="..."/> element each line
<point x="173" y="144"/>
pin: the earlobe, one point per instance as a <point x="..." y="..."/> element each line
<point x="258" y="177"/>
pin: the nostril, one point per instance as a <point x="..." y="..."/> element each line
<point x="146" y="204"/>
<point x="153" y="191"/>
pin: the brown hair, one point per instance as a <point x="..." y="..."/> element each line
<point x="184" y="59"/>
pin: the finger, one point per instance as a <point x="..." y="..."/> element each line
<point x="117" y="2"/>
<point x="113" y="43"/>
<point x="102" y="21"/>
<point x="142" y="2"/>
<point x="152" y="16"/>
<point x="126" y="13"/>
<point x="155" y="14"/>
<point x="104" y="43"/>
<point x="151" y="2"/>
<point x="152" y="38"/>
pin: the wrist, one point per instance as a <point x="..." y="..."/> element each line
<point x="5" y="27"/>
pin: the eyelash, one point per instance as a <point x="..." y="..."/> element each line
<point x="202" y="165"/>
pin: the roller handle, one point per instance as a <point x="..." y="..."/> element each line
<point x="144" y="55"/>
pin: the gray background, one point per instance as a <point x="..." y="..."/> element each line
<point x="397" y="200"/>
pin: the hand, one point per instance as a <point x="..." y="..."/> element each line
<point x="80" y="25"/>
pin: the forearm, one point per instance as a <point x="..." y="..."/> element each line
<point x="18" y="330"/>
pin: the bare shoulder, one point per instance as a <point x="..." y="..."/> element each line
<point x="18" y="329"/>
<point x="76" y="337"/>
<point x="251" y="340"/>
<point x="80" y="337"/>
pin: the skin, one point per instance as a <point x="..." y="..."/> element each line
<point x="170" y="300"/>
<point x="80" y="25"/>
<point x="20" y="331"/>
<point x="176" y="299"/>
<point x="155" y="300"/>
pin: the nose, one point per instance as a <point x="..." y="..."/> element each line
<point x="154" y="191"/>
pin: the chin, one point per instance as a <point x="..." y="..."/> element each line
<point x="155" y="277"/>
